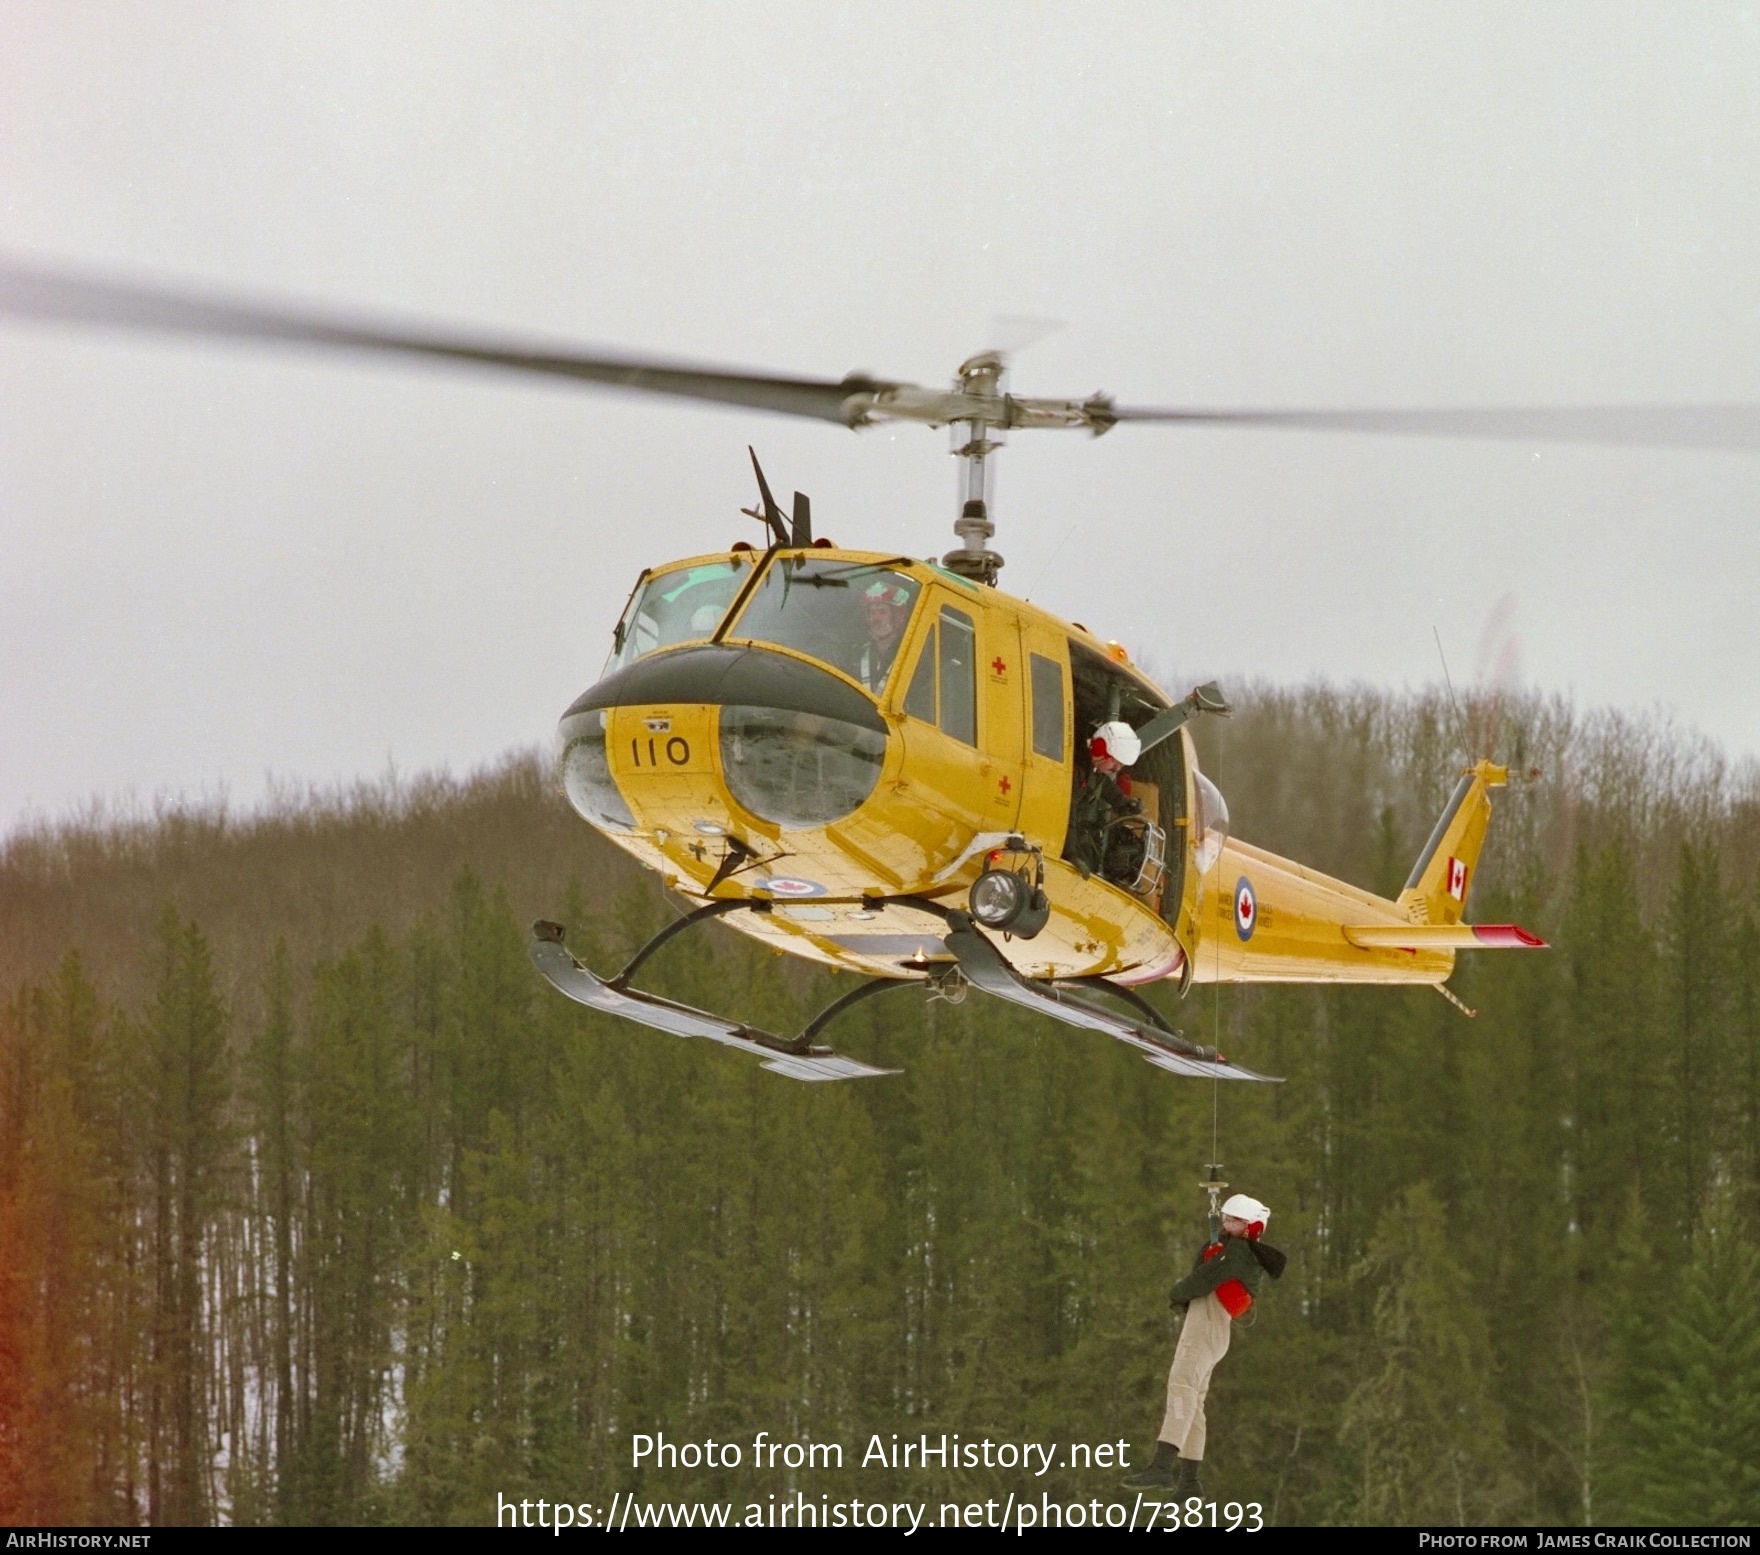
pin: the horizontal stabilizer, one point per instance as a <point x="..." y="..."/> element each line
<point x="985" y="966"/>
<point x="796" y="1060"/>
<point x="1442" y="936"/>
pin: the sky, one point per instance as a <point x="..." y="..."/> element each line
<point x="222" y="568"/>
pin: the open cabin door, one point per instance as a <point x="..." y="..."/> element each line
<point x="1101" y="690"/>
<point x="1165" y="767"/>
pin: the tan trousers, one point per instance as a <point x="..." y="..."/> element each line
<point x="1203" y="1341"/>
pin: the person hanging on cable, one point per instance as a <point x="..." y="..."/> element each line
<point x="1229" y="1273"/>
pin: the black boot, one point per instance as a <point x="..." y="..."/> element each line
<point x="1160" y="1473"/>
<point x="1188" y="1483"/>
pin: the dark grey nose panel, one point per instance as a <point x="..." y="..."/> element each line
<point x="721" y="674"/>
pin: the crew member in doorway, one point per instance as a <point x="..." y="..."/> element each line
<point x="1102" y="796"/>
<point x="1220" y="1289"/>
<point x="886" y="607"/>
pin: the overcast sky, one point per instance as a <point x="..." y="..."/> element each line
<point x="218" y="564"/>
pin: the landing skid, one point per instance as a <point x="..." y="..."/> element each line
<point x="800" y="1059"/>
<point x="985" y="967"/>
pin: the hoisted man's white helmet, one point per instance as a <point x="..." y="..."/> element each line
<point x="1240" y="1207"/>
<point x="1117" y="740"/>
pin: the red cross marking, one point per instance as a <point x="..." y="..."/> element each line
<point x="998" y="666"/>
<point x="1004" y="785"/>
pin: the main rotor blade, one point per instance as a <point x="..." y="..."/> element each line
<point x="59" y="296"/>
<point x="1651" y="426"/>
<point x="32" y="292"/>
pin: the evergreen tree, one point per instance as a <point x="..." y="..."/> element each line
<point x="274" y="1109"/>
<point x="54" y="1423"/>
<point x="1695" y="1440"/>
<point x="186" y="1083"/>
<point x="357" y="1219"/>
<point x="1744" y="1068"/>
<point x="1425" y="1426"/>
<point x="1695" y="941"/>
<point x="1613" y="1055"/>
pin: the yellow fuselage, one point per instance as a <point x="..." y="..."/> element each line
<point x="942" y="803"/>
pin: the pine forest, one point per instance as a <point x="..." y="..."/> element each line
<point x="318" y="1206"/>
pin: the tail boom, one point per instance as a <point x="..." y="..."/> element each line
<point x="1265" y="919"/>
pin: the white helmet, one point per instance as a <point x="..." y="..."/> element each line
<point x="1117" y="740"/>
<point x="1240" y="1207"/>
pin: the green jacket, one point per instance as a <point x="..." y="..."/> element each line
<point x="1234" y="1262"/>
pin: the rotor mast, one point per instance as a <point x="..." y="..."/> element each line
<point x="981" y="415"/>
<point x="975" y="438"/>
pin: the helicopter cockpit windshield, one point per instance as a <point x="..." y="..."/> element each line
<point x="684" y="605"/>
<point x="851" y="615"/>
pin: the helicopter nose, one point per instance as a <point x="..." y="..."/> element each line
<point x="800" y="748"/>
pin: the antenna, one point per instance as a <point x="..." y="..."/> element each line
<point x="1459" y="717"/>
<point x="772" y="514"/>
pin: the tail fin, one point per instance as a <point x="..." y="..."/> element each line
<point x="1437" y="889"/>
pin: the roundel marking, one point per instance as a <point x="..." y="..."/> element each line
<point x="1246" y="908"/>
<point x="788" y="888"/>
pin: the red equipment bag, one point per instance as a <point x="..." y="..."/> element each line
<point x="1234" y="1297"/>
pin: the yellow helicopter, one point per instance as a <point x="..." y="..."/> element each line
<point x="891" y="766"/>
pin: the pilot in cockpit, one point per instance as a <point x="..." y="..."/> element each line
<point x="886" y="608"/>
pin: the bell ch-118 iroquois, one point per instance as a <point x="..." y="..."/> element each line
<point x="883" y="764"/>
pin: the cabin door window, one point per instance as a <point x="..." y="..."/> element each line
<point x="1047" y="708"/>
<point x="958" y="674"/>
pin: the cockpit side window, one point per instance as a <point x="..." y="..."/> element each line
<point x="919" y="701"/>
<point x="948" y="655"/>
<point x="681" y="606"/>
<point x="851" y="615"/>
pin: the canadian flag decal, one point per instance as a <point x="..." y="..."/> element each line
<point x="1457" y="879"/>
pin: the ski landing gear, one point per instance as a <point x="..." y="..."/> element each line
<point x="1159" y="1044"/>
<point x="976" y="960"/>
<point x="799" y="1059"/>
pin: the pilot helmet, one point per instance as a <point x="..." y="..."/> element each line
<point x="892" y="593"/>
